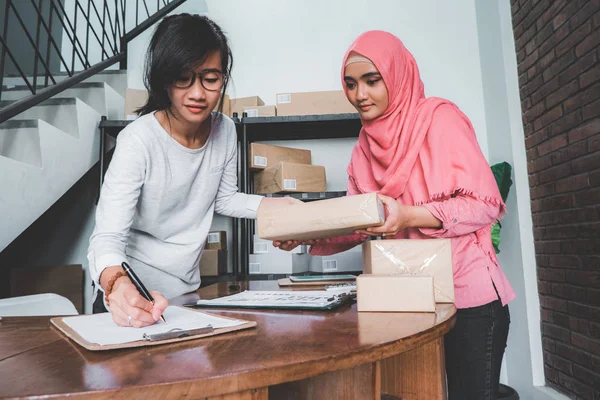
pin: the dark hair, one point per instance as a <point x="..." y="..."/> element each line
<point x="179" y="44"/>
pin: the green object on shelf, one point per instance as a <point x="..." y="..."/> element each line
<point x="502" y="172"/>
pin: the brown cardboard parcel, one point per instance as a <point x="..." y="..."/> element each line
<point x="290" y="177"/>
<point x="260" y="111"/>
<point x="321" y="219"/>
<point x="309" y="103"/>
<point x="265" y="155"/>
<point x="431" y="257"/>
<point x="213" y="262"/>
<point x="237" y="105"/>
<point x="394" y="293"/>
<point x="216" y="240"/>
<point x="134" y="99"/>
<point x="226" y="106"/>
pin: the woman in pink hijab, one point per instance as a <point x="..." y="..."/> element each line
<point x="421" y="155"/>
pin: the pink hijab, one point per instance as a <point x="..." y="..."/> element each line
<point x="394" y="151"/>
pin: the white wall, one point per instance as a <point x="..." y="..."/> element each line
<point x="290" y="45"/>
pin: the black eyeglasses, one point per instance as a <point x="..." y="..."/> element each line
<point x="210" y="80"/>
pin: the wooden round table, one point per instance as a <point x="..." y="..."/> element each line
<point x="339" y="354"/>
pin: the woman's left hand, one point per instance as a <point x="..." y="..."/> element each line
<point x="398" y="218"/>
<point x="278" y="202"/>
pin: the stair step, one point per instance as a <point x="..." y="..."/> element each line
<point x="20" y="141"/>
<point x="80" y="85"/>
<point x="101" y="96"/>
<point x="58" y="112"/>
<point x="49" y="102"/>
<point x="19" y="123"/>
<point x="64" y="74"/>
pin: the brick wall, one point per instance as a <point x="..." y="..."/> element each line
<point x="558" y="53"/>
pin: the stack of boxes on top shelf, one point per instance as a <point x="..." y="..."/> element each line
<point x="281" y="170"/>
<point x="288" y="104"/>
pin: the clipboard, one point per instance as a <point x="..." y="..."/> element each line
<point x="152" y="339"/>
<point x="288" y="282"/>
<point x="280" y="299"/>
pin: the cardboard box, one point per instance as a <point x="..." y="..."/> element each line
<point x="321" y="219"/>
<point x="347" y="261"/>
<point x="266" y="247"/>
<point x="134" y="99"/>
<point x="213" y="263"/>
<point x="216" y="240"/>
<point x="226" y="106"/>
<point x="237" y="105"/>
<point x="395" y="293"/>
<point x="260" y="111"/>
<point x="282" y="263"/>
<point x="413" y="256"/>
<point x="311" y="103"/>
<point x="261" y="156"/>
<point x="290" y="177"/>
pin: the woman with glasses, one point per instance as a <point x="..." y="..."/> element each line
<point x="172" y="169"/>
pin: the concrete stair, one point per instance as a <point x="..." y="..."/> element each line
<point x="49" y="147"/>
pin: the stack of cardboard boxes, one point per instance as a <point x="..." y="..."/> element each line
<point x="268" y="259"/>
<point x="282" y="169"/>
<point x="405" y="275"/>
<point x="313" y="103"/>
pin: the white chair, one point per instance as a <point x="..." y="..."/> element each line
<point x="36" y="304"/>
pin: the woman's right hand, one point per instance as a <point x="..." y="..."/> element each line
<point x="126" y="302"/>
<point x="290" y="245"/>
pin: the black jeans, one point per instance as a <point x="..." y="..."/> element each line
<point x="98" y="306"/>
<point x="474" y="351"/>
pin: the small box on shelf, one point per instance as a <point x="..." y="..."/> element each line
<point x="347" y="261"/>
<point x="261" y="156"/>
<point x="290" y="177"/>
<point x="216" y="240"/>
<point x="260" y="111"/>
<point x="282" y="263"/>
<point x="213" y="263"/>
<point x="266" y="247"/>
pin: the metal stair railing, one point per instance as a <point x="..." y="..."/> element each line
<point x="40" y="39"/>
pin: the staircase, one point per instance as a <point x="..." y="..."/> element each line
<point x="50" y="138"/>
<point x="47" y="148"/>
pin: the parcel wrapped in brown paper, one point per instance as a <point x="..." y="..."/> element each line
<point x="395" y="293"/>
<point x="432" y="257"/>
<point x="321" y="219"/>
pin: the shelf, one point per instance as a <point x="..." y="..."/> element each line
<point x="300" y="119"/>
<point x="311" y="196"/>
<point x="302" y="127"/>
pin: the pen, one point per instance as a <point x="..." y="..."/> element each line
<point x="139" y="285"/>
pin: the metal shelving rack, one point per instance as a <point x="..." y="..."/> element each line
<point x="304" y="127"/>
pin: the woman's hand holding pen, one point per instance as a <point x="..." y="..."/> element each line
<point x="126" y="301"/>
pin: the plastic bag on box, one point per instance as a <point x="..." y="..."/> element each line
<point x="431" y="257"/>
